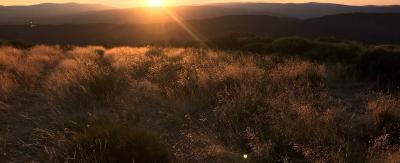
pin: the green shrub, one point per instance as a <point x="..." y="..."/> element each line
<point x="291" y="46"/>
<point x="380" y="63"/>
<point x="114" y="143"/>
<point x="238" y="41"/>
<point x="330" y="52"/>
<point x="257" y="47"/>
<point x="19" y="44"/>
<point x="332" y="40"/>
<point x="141" y="70"/>
<point x="155" y="52"/>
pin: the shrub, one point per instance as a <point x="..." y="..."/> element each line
<point x="115" y="143"/>
<point x="7" y="85"/>
<point x="155" y="52"/>
<point x="301" y="74"/>
<point x="386" y="117"/>
<point x="291" y="46"/>
<point x="257" y="47"/>
<point x="104" y="85"/>
<point x="335" y="53"/>
<point x="384" y="124"/>
<point x="24" y="69"/>
<point x="167" y="74"/>
<point x="238" y="41"/>
<point x="212" y="105"/>
<point x="380" y="64"/>
<point x="99" y="87"/>
<point x="19" y="44"/>
<point x="276" y="115"/>
<point x="141" y="69"/>
<point x="87" y="81"/>
<point x="44" y="57"/>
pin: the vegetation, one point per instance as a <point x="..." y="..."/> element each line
<point x="368" y="62"/>
<point x="112" y="143"/>
<point x="290" y="100"/>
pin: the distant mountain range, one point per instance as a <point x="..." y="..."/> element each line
<point x="98" y="24"/>
<point x="73" y="13"/>
<point x="139" y="15"/>
<point x="370" y="28"/>
<point x="310" y="10"/>
<point x="132" y="15"/>
<point x="48" y="9"/>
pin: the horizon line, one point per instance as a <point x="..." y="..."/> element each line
<point x="200" y="4"/>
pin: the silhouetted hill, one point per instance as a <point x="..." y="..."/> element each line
<point x="372" y="28"/>
<point x="137" y="15"/>
<point x="310" y="10"/>
<point x="72" y="13"/>
<point x="48" y="9"/>
<point x="360" y="26"/>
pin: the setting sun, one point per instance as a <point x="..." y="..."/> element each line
<point x="155" y="3"/>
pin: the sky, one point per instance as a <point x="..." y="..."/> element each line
<point x="133" y="3"/>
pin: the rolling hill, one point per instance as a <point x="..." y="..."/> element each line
<point x="134" y="15"/>
<point x="73" y="13"/>
<point x="310" y="10"/>
<point x="48" y="9"/>
<point x="371" y="28"/>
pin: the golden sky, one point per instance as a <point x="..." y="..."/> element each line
<point x="130" y="3"/>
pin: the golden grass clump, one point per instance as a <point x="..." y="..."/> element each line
<point x="43" y="57"/>
<point x="27" y="66"/>
<point x="385" y="118"/>
<point x="206" y="105"/>
<point x="8" y="85"/>
<point x="85" y="79"/>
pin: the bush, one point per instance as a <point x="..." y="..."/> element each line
<point x="332" y="40"/>
<point x="17" y="44"/>
<point x="154" y="52"/>
<point x="292" y="45"/>
<point x="211" y="105"/>
<point x="386" y="117"/>
<point x="238" y="41"/>
<point x="381" y="64"/>
<point x="141" y="69"/>
<point x="87" y="81"/>
<point x="24" y="68"/>
<point x="7" y="85"/>
<point x="257" y="47"/>
<point x="389" y="123"/>
<point x="167" y="74"/>
<point x="104" y="85"/>
<point x="343" y="53"/>
<point x="114" y="143"/>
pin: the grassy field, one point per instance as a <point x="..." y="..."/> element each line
<point x="91" y="104"/>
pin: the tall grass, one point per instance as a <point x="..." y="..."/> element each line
<point x="206" y="105"/>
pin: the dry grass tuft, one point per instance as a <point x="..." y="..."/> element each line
<point x="206" y="105"/>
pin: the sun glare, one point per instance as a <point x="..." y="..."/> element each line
<point x="156" y="3"/>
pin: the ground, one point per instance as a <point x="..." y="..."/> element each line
<point x="206" y="105"/>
